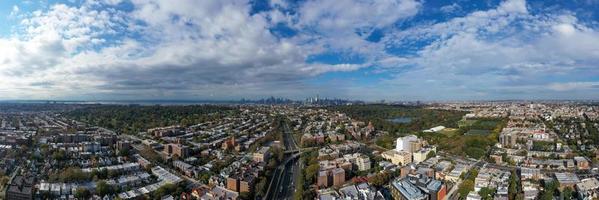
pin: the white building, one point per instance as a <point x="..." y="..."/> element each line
<point x="363" y="163"/>
<point x="420" y="155"/>
<point x="434" y="129"/>
<point x="403" y="143"/>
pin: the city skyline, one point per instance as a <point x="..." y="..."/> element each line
<point x="396" y="50"/>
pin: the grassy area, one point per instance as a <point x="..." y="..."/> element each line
<point x="473" y="137"/>
<point x="466" y="122"/>
<point x="477" y="132"/>
<point x="473" y="141"/>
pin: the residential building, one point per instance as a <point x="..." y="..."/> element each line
<point x="179" y="150"/>
<point x="246" y="184"/>
<point x="398" y="157"/>
<point x="20" y="188"/>
<point x="323" y="179"/>
<point x="338" y="176"/>
<point x="261" y="155"/>
<point x="233" y="184"/>
<point x="420" y="155"/>
<point x="363" y="163"/>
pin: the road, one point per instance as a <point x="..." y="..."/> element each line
<point x="283" y="182"/>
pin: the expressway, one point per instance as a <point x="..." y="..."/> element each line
<point x="282" y="185"/>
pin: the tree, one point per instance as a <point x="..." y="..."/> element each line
<point x="261" y="187"/>
<point x="205" y="176"/>
<point x="124" y="152"/>
<point x="431" y="154"/>
<point x="245" y="195"/>
<point x="278" y="153"/>
<point x="164" y="190"/>
<point x="550" y="188"/>
<point x="513" y="189"/>
<point x="465" y="188"/>
<point x="73" y="174"/>
<point x="102" y="188"/>
<point x="486" y="193"/>
<point x="312" y="172"/>
<point x="82" y="193"/>
<point x="380" y="179"/>
<point x="567" y="193"/>
<point x="59" y="155"/>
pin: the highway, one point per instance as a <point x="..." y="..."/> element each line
<point x="283" y="182"/>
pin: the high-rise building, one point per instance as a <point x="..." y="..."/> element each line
<point x="363" y="162"/>
<point x="323" y="179"/>
<point x="233" y="183"/>
<point x="338" y="176"/>
<point x="405" y="143"/>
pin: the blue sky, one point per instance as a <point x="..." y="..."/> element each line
<point x="354" y="49"/>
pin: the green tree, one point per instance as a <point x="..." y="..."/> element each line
<point x="102" y="188"/>
<point x="261" y="187"/>
<point x="312" y="172"/>
<point x="82" y="193"/>
<point x="124" y="152"/>
<point x="567" y="193"/>
<point x="431" y="154"/>
<point x="466" y="186"/>
<point x="486" y="193"/>
<point x="549" y="190"/>
<point x="59" y="155"/>
<point x="245" y="195"/>
<point x="380" y="179"/>
<point x="164" y="190"/>
<point x="513" y="188"/>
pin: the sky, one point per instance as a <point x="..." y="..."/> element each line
<point x="392" y="50"/>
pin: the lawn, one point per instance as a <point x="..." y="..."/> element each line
<point x="474" y="140"/>
<point x="478" y="132"/>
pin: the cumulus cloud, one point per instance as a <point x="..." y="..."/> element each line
<point x="225" y="49"/>
<point x="188" y="46"/>
<point x="501" y="51"/>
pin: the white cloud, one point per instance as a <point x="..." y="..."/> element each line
<point x="344" y="25"/>
<point x="574" y="86"/>
<point x="504" y="51"/>
<point x="14" y="12"/>
<point x="450" y="8"/>
<point x="190" y="48"/>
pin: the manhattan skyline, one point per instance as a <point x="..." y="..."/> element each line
<point x="397" y="50"/>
